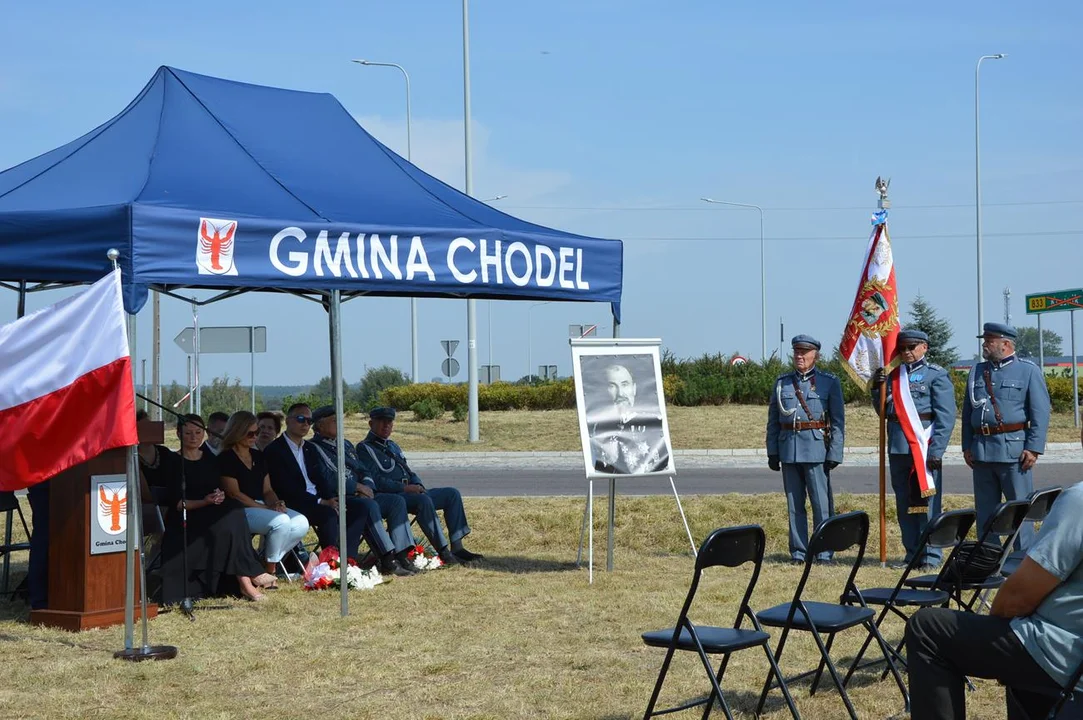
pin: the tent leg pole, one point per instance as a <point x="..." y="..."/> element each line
<point x="472" y="366"/>
<point x="335" y="326"/>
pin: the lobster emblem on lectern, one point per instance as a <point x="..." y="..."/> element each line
<point x="214" y="253"/>
<point x="112" y="505"/>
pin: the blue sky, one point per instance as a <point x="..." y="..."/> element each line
<point x="612" y="119"/>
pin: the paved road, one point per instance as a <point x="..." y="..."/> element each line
<point x="490" y="481"/>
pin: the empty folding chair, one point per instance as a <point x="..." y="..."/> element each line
<point x="731" y="547"/>
<point x="975" y="568"/>
<point x="1040" y="503"/>
<point x="947" y="530"/>
<point x="9" y="506"/>
<point x="835" y="534"/>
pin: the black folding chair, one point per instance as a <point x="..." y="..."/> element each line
<point x="9" y="506"/>
<point x="946" y="530"/>
<point x="1041" y="502"/>
<point x="732" y="547"/>
<point x="1066" y="694"/>
<point x="835" y="534"/>
<point x="1005" y="523"/>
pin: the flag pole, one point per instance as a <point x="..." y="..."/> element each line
<point x="134" y="541"/>
<point x="883" y="472"/>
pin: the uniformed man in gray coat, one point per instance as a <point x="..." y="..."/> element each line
<point x="805" y="426"/>
<point x="934" y="400"/>
<point x="1005" y="420"/>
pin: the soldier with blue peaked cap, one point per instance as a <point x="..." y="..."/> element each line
<point x="933" y="396"/>
<point x="384" y="462"/>
<point x="1005" y="420"/>
<point x="805" y="426"/>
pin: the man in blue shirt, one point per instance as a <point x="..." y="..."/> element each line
<point x="1031" y="639"/>
<point x="934" y="399"/>
<point x="805" y="425"/>
<point x="1005" y="419"/>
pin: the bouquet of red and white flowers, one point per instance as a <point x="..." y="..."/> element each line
<point x="328" y="573"/>
<point x="416" y="555"/>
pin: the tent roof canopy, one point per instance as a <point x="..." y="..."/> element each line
<point x="205" y="182"/>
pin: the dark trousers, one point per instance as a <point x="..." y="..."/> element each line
<point x="37" y="578"/>
<point x="360" y="518"/>
<point x="424" y="506"/>
<point x="943" y="646"/>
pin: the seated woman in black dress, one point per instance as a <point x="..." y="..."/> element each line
<point x="220" y="553"/>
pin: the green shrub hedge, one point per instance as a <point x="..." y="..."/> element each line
<point x="707" y="380"/>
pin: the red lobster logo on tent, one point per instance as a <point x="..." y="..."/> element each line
<point x="214" y="247"/>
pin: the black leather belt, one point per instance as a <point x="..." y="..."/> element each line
<point x="892" y="417"/>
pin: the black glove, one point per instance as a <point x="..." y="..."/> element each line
<point x="877" y="377"/>
<point x="830" y="465"/>
<point x="934" y="463"/>
<point x="774" y="462"/>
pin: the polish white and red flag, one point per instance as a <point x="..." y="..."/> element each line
<point x="66" y="392"/>
<point x="868" y="343"/>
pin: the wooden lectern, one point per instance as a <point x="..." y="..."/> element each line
<point x="86" y="590"/>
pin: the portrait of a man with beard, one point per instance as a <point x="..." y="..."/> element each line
<point x="625" y="426"/>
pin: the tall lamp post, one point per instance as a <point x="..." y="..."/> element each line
<point x="409" y="158"/>
<point x="977" y="181"/>
<point x="471" y="303"/>
<point x="763" y="273"/>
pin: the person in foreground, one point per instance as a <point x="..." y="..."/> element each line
<point x="383" y="461"/>
<point x="219" y="542"/>
<point x="1032" y="638"/>
<point x="805" y="426"/>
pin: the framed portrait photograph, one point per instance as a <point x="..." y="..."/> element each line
<point x="621" y="407"/>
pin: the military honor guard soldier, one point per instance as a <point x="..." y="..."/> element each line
<point x="934" y="400"/>
<point x="1005" y="419"/>
<point x="805" y="426"/>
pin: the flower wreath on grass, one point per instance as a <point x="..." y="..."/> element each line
<point x="328" y="573"/>
<point x="416" y="555"/>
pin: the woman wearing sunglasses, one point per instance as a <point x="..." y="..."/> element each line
<point x="245" y="479"/>
<point x="219" y="542"/>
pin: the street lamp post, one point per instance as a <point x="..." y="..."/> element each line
<point x="977" y="182"/>
<point x="409" y="158"/>
<point x="763" y="273"/>
<point x="471" y="304"/>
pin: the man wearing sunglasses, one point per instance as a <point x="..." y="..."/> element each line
<point x="934" y="399"/>
<point x="299" y="477"/>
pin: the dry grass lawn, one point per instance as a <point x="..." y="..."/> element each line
<point x="721" y="426"/>
<point x="521" y="636"/>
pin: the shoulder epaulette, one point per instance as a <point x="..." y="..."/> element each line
<point x="826" y="374"/>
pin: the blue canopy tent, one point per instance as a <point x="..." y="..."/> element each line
<point x="202" y="182"/>
<point x="208" y="183"/>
